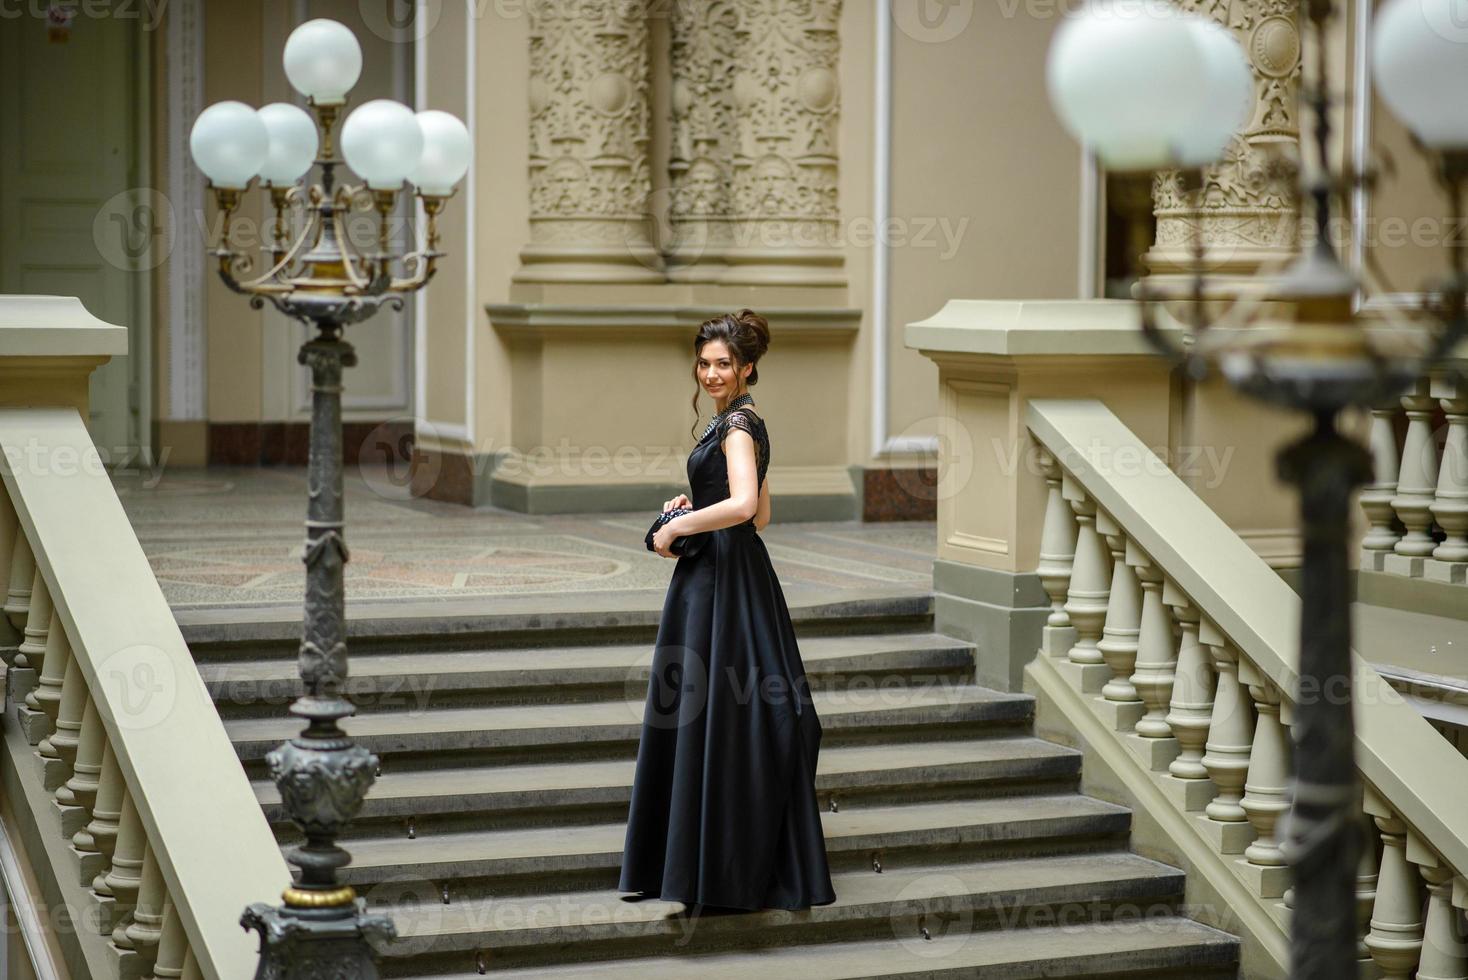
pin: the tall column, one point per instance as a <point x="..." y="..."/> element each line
<point x="1246" y="210"/>
<point x="590" y="129"/>
<point x="786" y="210"/>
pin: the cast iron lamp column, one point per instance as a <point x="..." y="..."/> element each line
<point x="315" y="275"/>
<point x="1298" y="344"/>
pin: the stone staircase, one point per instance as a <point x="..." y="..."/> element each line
<point x="958" y="842"/>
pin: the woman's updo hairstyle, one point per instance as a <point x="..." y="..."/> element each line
<point x="747" y="335"/>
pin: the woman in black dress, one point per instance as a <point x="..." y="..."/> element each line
<point x="724" y="813"/>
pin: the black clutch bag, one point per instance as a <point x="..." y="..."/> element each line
<point x="684" y="546"/>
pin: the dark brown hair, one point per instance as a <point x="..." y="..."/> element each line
<point x="746" y="334"/>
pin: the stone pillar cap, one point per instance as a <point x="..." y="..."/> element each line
<point x="1077" y="327"/>
<point x="55" y="326"/>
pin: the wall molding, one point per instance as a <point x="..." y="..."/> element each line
<point x="187" y="340"/>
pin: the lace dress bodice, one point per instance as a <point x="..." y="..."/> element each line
<point x="708" y="468"/>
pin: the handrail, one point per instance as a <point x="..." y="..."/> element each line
<point x="204" y="828"/>
<point x="1419" y="780"/>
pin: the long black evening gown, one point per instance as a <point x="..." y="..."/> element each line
<point x="724" y="810"/>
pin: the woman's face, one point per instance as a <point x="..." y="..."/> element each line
<point x="717" y="372"/>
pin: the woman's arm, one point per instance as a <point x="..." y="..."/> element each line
<point x="762" y="515"/>
<point x="743" y="502"/>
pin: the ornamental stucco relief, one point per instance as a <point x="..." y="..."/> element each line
<point x="589" y="125"/>
<point x="1248" y="200"/>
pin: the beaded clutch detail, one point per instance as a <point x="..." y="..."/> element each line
<point x="684" y="546"/>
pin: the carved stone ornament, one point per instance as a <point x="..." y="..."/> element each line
<point x="702" y="127"/>
<point x="1247" y="209"/>
<point x="589" y="125"/>
<point x="788" y="105"/>
<point x="754" y="114"/>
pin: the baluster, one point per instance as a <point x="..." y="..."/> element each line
<point x="1266" y="790"/>
<point x="191" y="967"/>
<point x="1123" y="625"/>
<point x="173" y="945"/>
<point x="99" y="836"/>
<point x="1366" y="875"/>
<point x="18" y="591"/>
<point x="9" y="533"/>
<point x="30" y="660"/>
<point x="1090" y="582"/>
<point x="1395" y="939"/>
<point x="1376" y="496"/>
<point x="46" y="695"/>
<point x="1156" y="658"/>
<point x="64" y="743"/>
<point x="37" y="623"/>
<point x="1230" y="742"/>
<point x="1416" y="483"/>
<point x="146" y="930"/>
<point x="1444" y="952"/>
<point x="125" y="877"/>
<point x="81" y="789"/>
<point x="1191" y="706"/>
<point x="58" y="666"/>
<point x="1450" y="504"/>
<point x="1057" y="556"/>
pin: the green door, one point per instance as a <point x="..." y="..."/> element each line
<point x="68" y="176"/>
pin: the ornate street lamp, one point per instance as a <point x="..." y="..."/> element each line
<point x="313" y="273"/>
<point x="1155" y="89"/>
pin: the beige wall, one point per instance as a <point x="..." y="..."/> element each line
<point x="502" y="206"/>
<point x="446" y="308"/>
<point x="974" y="140"/>
<point x="251" y="361"/>
<point x="985" y="203"/>
<point x="235" y="342"/>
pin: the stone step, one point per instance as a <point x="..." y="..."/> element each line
<point x="981" y="895"/>
<point x="605" y="722"/>
<point x="234" y="633"/>
<point x="1164" y="946"/>
<point x="534" y="855"/>
<point x="855" y="770"/>
<point x="381" y="681"/>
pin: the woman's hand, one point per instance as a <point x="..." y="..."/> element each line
<point x="679" y="501"/>
<point x="662" y="539"/>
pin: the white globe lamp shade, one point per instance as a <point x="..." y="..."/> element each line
<point x="323" y="60"/>
<point x="1419" y="60"/>
<point x="445" y="157"/>
<point x="229" y="144"/>
<point x="1228" y="94"/>
<point x="382" y="141"/>
<point x="1124" y="79"/>
<point x="293" y="143"/>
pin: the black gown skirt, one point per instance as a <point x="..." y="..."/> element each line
<point x="724" y="810"/>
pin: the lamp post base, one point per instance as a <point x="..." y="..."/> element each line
<point x="307" y="944"/>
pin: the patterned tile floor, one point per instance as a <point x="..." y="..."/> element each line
<point x="231" y="537"/>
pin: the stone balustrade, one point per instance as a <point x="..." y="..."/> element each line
<point x="1171" y="648"/>
<point x="143" y="840"/>
<point x="1417" y="504"/>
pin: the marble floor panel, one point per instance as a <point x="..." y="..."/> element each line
<point x="232" y="537"/>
